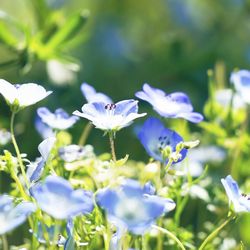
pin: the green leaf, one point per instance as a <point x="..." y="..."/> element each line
<point x="213" y="128"/>
<point x="69" y="30"/>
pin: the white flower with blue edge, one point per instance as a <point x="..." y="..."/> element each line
<point x="175" y="105"/>
<point x="110" y="117"/>
<point x="12" y="216"/>
<point x="132" y="206"/>
<point x="241" y="81"/>
<point x="240" y="202"/>
<point x="57" y="198"/>
<point x="35" y="169"/>
<point x="22" y="95"/>
<point x="91" y="95"/>
<point x="58" y="120"/>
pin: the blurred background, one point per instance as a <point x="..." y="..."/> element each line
<point x="116" y="46"/>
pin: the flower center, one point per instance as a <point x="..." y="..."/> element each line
<point x="247" y="197"/>
<point x="163" y="141"/>
<point x="110" y="106"/>
<point x="17" y="86"/>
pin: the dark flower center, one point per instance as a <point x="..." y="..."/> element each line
<point x="163" y="142"/>
<point x="110" y="106"/>
<point x="245" y="196"/>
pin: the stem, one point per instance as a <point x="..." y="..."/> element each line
<point x="159" y="236"/>
<point x="4" y="242"/>
<point x="85" y="134"/>
<point x="171" y="235"/>
<point x="112" y="145"/>
<point x="215" y="232"/>
<point x="19" y="158"/>
<point x="180" y="206"/>
<point x="168" y="165"/>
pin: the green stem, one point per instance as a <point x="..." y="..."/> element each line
<point x="159" y="236"/>
<point x="4" y="242"/>
<point x="85" y="134"/>
<point x="112" y="145"/>
<point x="171" y="235"/>
<point x="215" y="232"/>
<point x="180" y="206"/>
<point x="168" y="165"/>
<point x="19" y="158"/>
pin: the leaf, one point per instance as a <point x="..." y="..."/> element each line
<point x="120" y="162"/>
<point x="213" y="129"/>
<point x="69" y="30"/>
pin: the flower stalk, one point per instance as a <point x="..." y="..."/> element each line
<point x="112" y="145"/>
<point x="171" y="235"/>
<point x="215" y="232"/>
<point x="19" y="158"/>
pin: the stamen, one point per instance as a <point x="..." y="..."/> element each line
<point x="110" y="106"/>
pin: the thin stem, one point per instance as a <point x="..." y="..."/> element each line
<point x="85" y="134"/>
<point x="171" y="235"/>
<point x="112" y="145"/>
<point x="215" y="232"/>
<point x="168" y="165"/>
<point x="4" y="242"/>
<point x="19" y="158"/>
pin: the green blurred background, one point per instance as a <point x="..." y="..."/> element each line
<point x="169" y="44"/>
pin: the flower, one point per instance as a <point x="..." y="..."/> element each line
<point x="197" y="158"/>
<point x="175" y="105"/>
<point x="133" y="207"/>
<point x="12" y="216"/>
<point x="22" y="95"/>
<point x="224" y="98"/>
<point x="110" y="117"/>
<point x="241" y="81"/>
<point x="57" y="198"/>
<point x="35" y="169"/>
<point x="92" y="96"/>
<point x="155" y="138"/>
<point x="74" y="152"/>
<point x="5" y="137"/>
<point x="241" y="202"/>
<point x="43" y="129"/>
<point x="58" y="120"/>
<point x="61" y="73"/>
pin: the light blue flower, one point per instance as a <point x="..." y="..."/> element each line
<point x="5" y="137"/>
<point x="22" y="95"/>
<point x="35" y="169"/>
<point x="110" y="117"/>
<point x="133" y="207"/>
<point x="175" y="105"/>
<point x="74" y="152"/>
<point x="57" y="198"/>
<point x="43" y="129"/>
<point x="240" y="202"/>
<point x="241" y="81"/>
<point x="58" y="120"/>
<point x="92" y="96"/>
<point x="155" y="137"/>
<point x="198" y="157"/>
<point x="12" y="216"/>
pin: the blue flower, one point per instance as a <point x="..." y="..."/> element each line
<point x="57" y="198"/>
<point x="58" y="120"/>
<point x="241" y="81"/>
<point x="22" y="95"/>
<point x="35" y="169"/>
<point x="155" y="137"/>
<point x="241" y="202"/>
<point x="110" y="117"/>
<point x="92" y="96"/>
<point x="43" y="129"/>
<point x="74" y="152"/>
<point x="11" y="216"/>
<point x="133" y="207"/>
<point x="175" y="105"/>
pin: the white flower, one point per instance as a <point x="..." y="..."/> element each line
<point x="110" y="117"/>
<point x="22" y="95"/>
